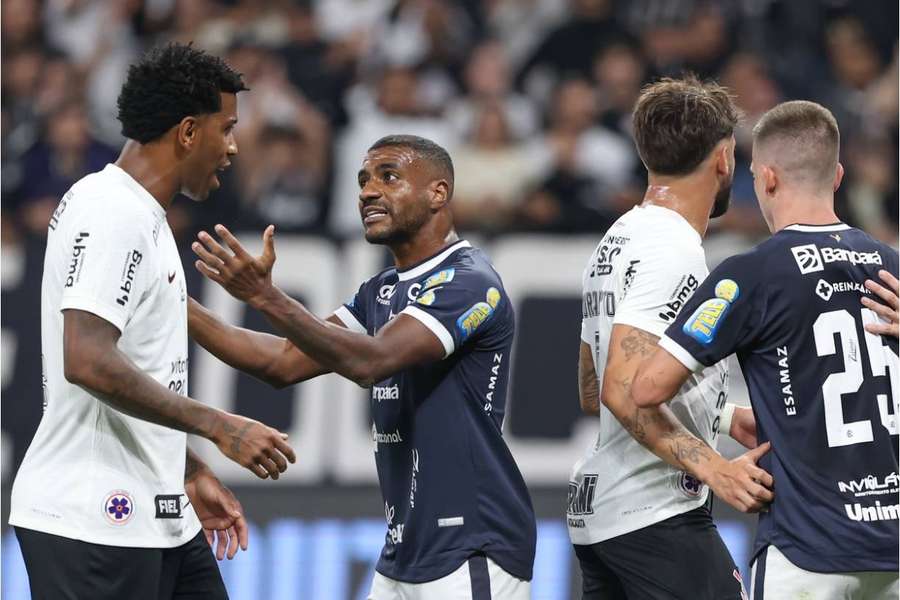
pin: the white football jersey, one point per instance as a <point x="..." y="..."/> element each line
<point x="648" y="263"/>
<point x="93" y="473"/>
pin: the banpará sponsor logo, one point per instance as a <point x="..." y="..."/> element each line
<point x="682" y="292"/>
<point x="870" y="485"/>
<point x="810" y="258"/>
<point x="132" y="260"/>
<point x="77" y="261"/>
<point x="386" y="392"/>
<point x="879" y="512"/>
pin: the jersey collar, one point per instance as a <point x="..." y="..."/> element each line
<point x="431" y="263"/>
<point x="140" y="191"/>
<point x="817" y="228"/>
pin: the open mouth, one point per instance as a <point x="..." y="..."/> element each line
<point x="373" y="214"/>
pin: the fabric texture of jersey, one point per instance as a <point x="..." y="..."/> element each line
<point x="820" y="387"/>
<point x="450" y="485"/>
<point x="642" y="272"/>
<point x="91" y="472"/>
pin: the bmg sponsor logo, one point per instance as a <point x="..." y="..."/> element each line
<point x="77" y="261"/>
<point x="132" y="260"/>
<point x="670" y="310"/>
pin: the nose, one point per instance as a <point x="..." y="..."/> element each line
<point x="369" y="192"/>
<point x="232" y="145"/>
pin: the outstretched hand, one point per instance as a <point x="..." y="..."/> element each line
<point x="887" y="309"/>
<point x="245" y="277"/>
<point x="742" y="484"/>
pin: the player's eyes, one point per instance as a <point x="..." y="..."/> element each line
<point x="390" y="177"/>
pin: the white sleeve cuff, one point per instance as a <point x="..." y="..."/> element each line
<point x="349" y="321"/>
<point x="680" y="354"/>
<point x="105" y="312"/>
<point x="434" y="325"/>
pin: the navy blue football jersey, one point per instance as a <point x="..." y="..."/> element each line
<point x="823" y="390"/>
<point x="450" y="485"/>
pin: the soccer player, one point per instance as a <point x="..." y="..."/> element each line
<point x="109" y="501"/>
<point x="641" y="527"/>
<point x="822" y="384"/>
<point x="431" y="336"/>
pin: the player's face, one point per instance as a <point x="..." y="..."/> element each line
<point x="723" y="195"/>
<point x="393" y="198"/>
<point x="212" y="151"/>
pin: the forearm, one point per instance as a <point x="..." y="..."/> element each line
<point x="193" y="466"/>
<point x="115" y="380"/>
<point x="588" y="384"/>
<point x="335" y="348"/>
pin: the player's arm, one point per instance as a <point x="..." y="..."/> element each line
<point x="220" y="513"/>
<point x="364" y="359"/>
<point x="92" y="360"/>
<point x="588" y="385"/>
<point x="657" y="428"/>
<point x="889" y="309"/>
<point x="271" y="358"/>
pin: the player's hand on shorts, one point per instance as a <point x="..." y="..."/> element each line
<point x="743" y="427"/>
<point x="243" y="276"/>
<point x="742" y="484"/>
<point x="253" y="445"/>
<point x="220" y="514"/>
<point x="887" y="308"/>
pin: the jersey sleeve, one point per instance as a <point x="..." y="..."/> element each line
<point x="722" y="316"/>
<point x="654" y="289"/>
<point x="353" y="313"/>
<point x="110" y="270"/>
<point x="457" y="306"/>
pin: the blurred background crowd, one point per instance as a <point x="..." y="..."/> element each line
<point x="531" y="97"/>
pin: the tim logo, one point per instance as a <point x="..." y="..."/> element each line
<point x="168" y="506"/>
<point x="581" y="497"/>
<point x="132" y="261"/>
<point x="808" y="258"/>
<point x="77" y="256"/>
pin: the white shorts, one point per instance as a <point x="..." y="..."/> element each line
<point x="479" y="578"/>
<point x="774" y="577"/>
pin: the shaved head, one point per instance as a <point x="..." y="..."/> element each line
<point x="801" y="141"/>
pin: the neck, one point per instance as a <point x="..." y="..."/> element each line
<point x="148" y="165"/>
<point x="423" y="245"/>
<point x="799" y="207"/>
<point x="691" y="196"/>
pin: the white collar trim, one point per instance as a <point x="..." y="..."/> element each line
<point x="818" y="228"/>
<point x="431" y="263"/>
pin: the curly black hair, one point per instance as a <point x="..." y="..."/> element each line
<point x="170" y="83"/>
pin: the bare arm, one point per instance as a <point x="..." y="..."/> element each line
<point x="271" y="358"/>
<point x="365" y="359"/>
<point x="588" y="385"/>
<point x="93" y="361"/>
<point x="657" y="428"/>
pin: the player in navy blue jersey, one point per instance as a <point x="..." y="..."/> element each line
<point x="822" y="383"/>
<point x="431" y="336"/>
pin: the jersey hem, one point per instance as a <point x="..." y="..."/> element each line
<point x="680" y="354"/>
<point x="133" y="541"/>
<point x="608" y="534"/>
<point x="434" y="326"/>
<point x="815" y="563"/>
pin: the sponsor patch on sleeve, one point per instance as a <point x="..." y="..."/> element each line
<point x="705" y="322"/>
<point x="480" y="312"/>
<point x="439" y="278"/>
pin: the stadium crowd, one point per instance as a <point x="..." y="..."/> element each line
<point x="532" y="97"/>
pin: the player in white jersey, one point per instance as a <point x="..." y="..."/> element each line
<point x="642" y="527"/>
<point x="108" y="501"/>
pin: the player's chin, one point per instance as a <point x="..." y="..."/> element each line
<point x="378" y="234"/>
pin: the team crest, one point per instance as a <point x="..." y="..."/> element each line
<point x="118" y="508"/>
<point x="689" y="485"/>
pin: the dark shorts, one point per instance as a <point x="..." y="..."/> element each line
<point x="680" y="558"/>
<point x="60" y="568"/>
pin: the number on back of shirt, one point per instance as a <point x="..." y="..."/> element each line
<point x="836" y="385"/>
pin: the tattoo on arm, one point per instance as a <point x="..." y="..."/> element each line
<point x="638" y="342"/>
<point x="192" y="466"/>
<point x="588" y="388"/>
<point x="236" y="435"/>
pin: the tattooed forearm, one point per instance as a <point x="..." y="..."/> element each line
<point x="192" y="466"/>
<point x="588" y="384"/>
<point x="638" y="342"/>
